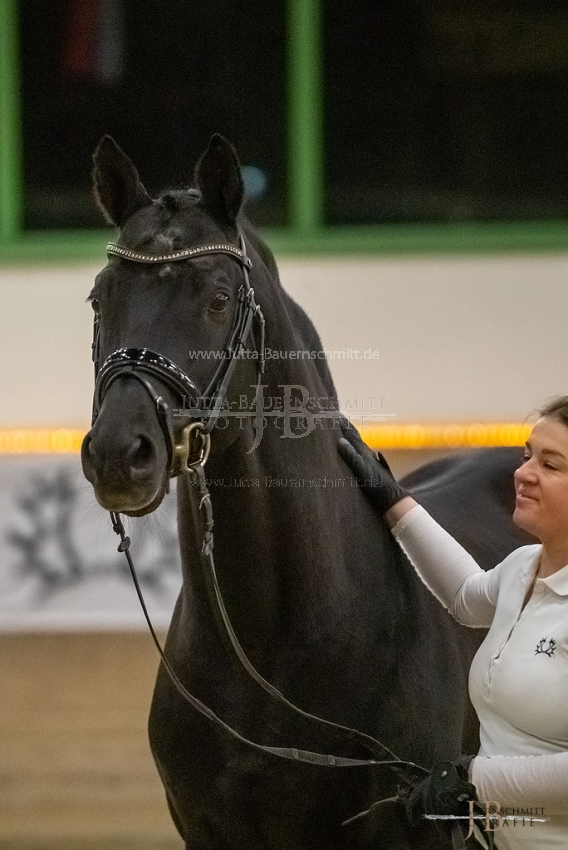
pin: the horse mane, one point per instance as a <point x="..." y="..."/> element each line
<point x="302" y="325"/>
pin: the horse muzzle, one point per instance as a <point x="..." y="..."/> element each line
<point x="125" y="457"/>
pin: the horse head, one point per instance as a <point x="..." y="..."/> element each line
<point x="172" y="308"/>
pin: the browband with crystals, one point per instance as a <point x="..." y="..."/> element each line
<point x="115" y="250"/>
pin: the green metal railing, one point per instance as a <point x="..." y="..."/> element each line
<point x="306" y="233"/>
<point x="305" y="125"/>
<point x="10" y="158"/>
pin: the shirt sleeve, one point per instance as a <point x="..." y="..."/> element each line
<point x="448" y="571"/>
<point x="530" y="782"/>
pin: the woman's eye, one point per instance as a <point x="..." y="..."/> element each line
<point x="219" y="303"/>
<point x="526" y="457"/>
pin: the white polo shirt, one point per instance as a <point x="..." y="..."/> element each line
<point x="518" y="680"/>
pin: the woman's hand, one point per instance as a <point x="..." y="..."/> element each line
<point x="372" y="472"/>
<point x="446" y="791"/>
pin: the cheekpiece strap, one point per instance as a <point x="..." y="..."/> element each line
<point x="115" y="250"/>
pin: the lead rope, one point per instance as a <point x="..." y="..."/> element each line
<point x="403" y="769"/>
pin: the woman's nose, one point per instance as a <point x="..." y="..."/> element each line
<point x="526" y="472"/>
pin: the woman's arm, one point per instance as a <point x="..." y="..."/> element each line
<point x="447" y="570"/>
<point x="529" y="782"/>
<point x="399" y="509"/>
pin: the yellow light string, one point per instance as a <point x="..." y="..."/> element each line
<point x="444" y="435"/>
<point x="28" y="441"/>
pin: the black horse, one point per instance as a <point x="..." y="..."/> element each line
<point x="323" y="602"/>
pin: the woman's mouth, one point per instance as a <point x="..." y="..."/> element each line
<point x="522" y="498"/>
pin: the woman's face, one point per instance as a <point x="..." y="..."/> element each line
<point x="541" y="483"/>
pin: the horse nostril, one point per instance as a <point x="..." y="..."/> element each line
<point x="88" y="457"/>
<point x="141" y="453"/>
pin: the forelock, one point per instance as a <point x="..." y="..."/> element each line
<point x="180" y="199"/>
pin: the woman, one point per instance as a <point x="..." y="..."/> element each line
<point x="518" y="680"/>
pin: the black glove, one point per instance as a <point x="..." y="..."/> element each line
<point x="371" y="471"/>
<point x="445" y="791"/>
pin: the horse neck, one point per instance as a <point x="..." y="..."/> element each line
<point x="297" y="546"/>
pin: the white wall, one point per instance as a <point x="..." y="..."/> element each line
<point x="460" y="338"/>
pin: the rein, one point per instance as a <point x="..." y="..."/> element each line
<point x="196" y="470"/>
<point x="405" y="770"/>
<point x="188" y="456"/>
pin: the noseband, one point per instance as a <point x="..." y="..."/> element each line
<point x="143" y="363"/>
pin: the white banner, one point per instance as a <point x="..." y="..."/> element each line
<point x="59" y="564"/>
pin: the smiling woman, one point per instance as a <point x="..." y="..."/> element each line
<point x="542" y="487"/>
<point x="523" y="759"/>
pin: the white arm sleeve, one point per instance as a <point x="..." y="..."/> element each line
<point x="447" y="570"/>
<point x="523" y="781"/>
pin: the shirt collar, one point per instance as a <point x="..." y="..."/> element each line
<point x="526" y="575"/>
<point x="558" y="581"/>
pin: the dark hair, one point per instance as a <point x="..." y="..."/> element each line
<point x="556" y="408"/>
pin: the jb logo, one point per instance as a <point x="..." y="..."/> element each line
<point x="492" y="815"/>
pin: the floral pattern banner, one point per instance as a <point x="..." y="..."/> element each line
<point x="59" y="564"/>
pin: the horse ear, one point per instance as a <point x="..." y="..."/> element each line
<point x="116" y="184"/>
<point x="218" y="176"/>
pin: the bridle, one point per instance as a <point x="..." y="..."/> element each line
<point x="143" y="363"/>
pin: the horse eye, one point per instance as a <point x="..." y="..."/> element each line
<point x="219" y="303"/>
<point x="95" y="305"/>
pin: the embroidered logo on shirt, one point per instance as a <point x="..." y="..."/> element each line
<point x="543" y="649"/>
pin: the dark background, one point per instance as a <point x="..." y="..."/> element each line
<point x="434" y="110"/>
